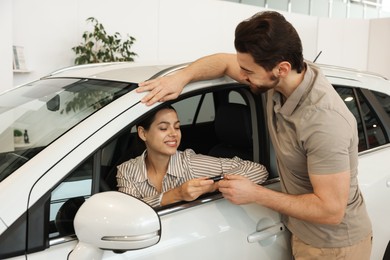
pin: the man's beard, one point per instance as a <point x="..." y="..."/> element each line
<point x="259" y="89"/>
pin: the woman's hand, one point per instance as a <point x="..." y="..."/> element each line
<point x="189" y="190"/>
<point x="192" y="189"/>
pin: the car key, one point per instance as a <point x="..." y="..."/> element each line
<point x="216" y="178"/>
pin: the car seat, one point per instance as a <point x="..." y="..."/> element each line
<point x="233" y="128"/>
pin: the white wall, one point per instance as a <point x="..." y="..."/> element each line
<point x="47" y="29"/>
<point x="379" y="50"/>
<point x="344" y="42"/>
<point x="6" y="75"/>
<point x="167" y="31"/>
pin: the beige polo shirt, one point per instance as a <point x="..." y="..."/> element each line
<point x="314" y="132"/>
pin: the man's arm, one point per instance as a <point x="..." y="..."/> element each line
<point x="326" y="205"/>
<point x="208" y="67"/>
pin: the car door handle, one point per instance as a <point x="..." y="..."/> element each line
<point x="266" y="233"/>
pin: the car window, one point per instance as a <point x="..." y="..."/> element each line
<point x="206" y="112"/>
<point x="34" y="115"/>
<point x="235" y="97"/>
<point x="374" y="128"/>
<point x="196" y="109"/>
<point x="67" y="198"/>
<point x="348" y="96"/>
<point x="384" y="100"/>
<point x="370" y="130"/>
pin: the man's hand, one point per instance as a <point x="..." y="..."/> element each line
<point x="161" y="89"/>
<point x="237" y="189"/>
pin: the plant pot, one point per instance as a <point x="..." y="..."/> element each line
<point x="18" y="139"/>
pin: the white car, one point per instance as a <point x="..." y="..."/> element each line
<point x="78" y="125"/>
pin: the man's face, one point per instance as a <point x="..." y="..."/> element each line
<point x="258" y="78"/>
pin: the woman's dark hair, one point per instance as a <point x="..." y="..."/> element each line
<point x="269" y="38"/>
<point x="148" y="120"/>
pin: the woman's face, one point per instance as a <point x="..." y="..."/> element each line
<point x="164" y="135"/>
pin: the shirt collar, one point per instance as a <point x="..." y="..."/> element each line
<point x="173" y="169"/>
<point x="296" y="97"/>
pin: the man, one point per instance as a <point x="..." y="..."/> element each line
<point x="313" y="132"/>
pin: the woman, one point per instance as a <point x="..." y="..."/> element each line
<point x="163" y="175"/>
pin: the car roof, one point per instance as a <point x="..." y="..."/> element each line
<point x="115" y="71"/>
<point x="136" y="72"/>
<point x="357" y="78"/>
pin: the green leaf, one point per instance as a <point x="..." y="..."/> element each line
<point x="98" y="46"/>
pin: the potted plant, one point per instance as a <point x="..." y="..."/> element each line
<point x="98" y="46"/>
<point x="18" y="136"/>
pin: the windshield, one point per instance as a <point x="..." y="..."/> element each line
<point x="34" y="115"/>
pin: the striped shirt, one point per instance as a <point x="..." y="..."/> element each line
<point x="183" y="166"/>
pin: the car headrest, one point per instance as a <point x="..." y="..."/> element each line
<point x="233" y="125"/>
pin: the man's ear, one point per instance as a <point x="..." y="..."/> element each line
<point x="284" y="68"/>
<point x="141" y="133"/>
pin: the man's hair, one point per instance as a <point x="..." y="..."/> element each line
<point x="270" y="39"/>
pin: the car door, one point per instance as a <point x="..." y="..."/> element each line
<point x="215" y="229"/>
<point x="210" y="227"/>
<point x="369" y="109"/>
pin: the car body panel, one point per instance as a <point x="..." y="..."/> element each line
<point x="351" y="77"/>
<point x="111" y="71"/>
<point x="194" y="230"/>
<point x="372" y="163"/>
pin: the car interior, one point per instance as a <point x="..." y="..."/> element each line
<point x="218" y="123"/>
<point x="227" y="133"/>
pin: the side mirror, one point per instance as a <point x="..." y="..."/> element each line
<point x="114" y="221"/>
<point x="54" y="103"/>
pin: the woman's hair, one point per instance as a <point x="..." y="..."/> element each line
<point x="270" y="39"/>
<point x="149" y="119"/>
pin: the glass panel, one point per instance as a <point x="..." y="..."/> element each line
<point x="278" y="5"/>
<point x="207" y="111"/>
<point x="371" y="12"/>
<point x="349" y="99"/>
<point x="253" y="2"/>
<point x="234" y="1"/>
<point x="356" y="11"/>
<point x="384" y="100"/>
<point x="300" y="6"/>
<point x="339" y="9"/>
<point x="374" y="129"/>
<point x="34" y="115"/>
<point x="67" y="197"/>
<point x="187" y="109"/>
<point x="320" y="8"/>
<point x="235" y="97"/>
